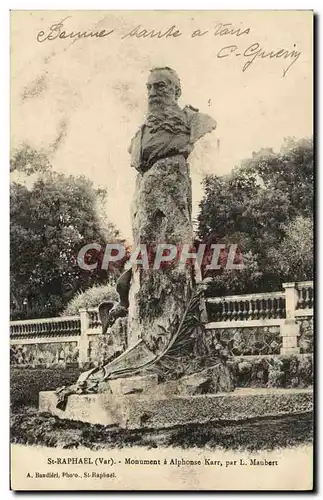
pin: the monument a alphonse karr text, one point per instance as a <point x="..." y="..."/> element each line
<point x="155" y="303"/>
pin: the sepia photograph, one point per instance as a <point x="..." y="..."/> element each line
<point x="161" y="250"/>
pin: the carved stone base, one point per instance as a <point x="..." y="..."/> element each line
<point x="159" y="410"/>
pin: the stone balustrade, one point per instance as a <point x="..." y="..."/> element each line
<point x="257" y="306"/>
<point x="45" y="327"/>
<point x="305" y="293"/>
<point x="94" y="320"/>
<point x="274" y="321"/>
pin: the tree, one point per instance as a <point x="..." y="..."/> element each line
<point x="50" y="223"/>
<point x="294" y="256"/>
<point x="253" y="206"/>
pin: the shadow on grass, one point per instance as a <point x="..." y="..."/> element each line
<point x="30" y="427"/>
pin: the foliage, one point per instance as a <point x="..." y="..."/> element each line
<point x="294" y="255"/>
<point x="91" y="297"/>
<point x="26" y="383"/>
<point x="265" y="206"/>
<point x="29" y="161"/>
<point x="51" y="220"/>
<point x="273" y="371"/>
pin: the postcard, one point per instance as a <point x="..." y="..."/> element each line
<point x="161" y="250"/>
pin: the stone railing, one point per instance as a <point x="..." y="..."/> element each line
<point x="255" y="306"/>
<point x="264" y="323"/>
<point x="45" y="328"/>
<point x="261" y="323"/>
<point x="305" y="296"/>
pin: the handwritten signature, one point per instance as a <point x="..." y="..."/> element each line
<point x="255" y="51"/>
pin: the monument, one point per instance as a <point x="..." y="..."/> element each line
<point x="161" y="304"/>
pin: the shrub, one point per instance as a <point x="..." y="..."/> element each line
<point x="92" y="297"/>
<point x="25" y="383"/>
<point x="276" y="374"/>
<point x="273" y="371"/>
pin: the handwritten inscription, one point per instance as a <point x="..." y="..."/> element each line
<point x="255" y="51"/>
<point x="222" y="29"/>
<point x="250" y="55"/>
<point x="57" y="31"/>
<point x="139" y="32"/>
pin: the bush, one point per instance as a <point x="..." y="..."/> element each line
<point x="48" y="307"/>
<point x="92" y="297"/>
<point x="273" y="371"/>
<point x="26" y="383"/>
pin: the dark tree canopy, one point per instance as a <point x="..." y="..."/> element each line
<point x="50" y="222"/>
<point x="266" y="207"/>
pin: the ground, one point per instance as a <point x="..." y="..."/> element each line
<point x="30" y="427"/>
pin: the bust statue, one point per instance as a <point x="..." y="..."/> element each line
<point x="168" y="130"/>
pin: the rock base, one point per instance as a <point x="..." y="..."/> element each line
<point x="159" y="410"/>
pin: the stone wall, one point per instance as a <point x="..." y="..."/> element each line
<point x="306" y="337"/>
<point x="251" y="341"/>
<point x="45" y="354"/>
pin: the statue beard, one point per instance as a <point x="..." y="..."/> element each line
<point x="161" y="112"/>
<point x="159" y="106"/>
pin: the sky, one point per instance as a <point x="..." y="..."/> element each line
<point x="83" y="100"/>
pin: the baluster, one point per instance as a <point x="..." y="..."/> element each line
<point x="242" y="308"/>
<point x="221" y="311"/>
<point x="265" y="313"/>
<point x="246" y="311"/>
<point x="310" y="297"/>
<point x="261" y="310"/>
<point x="239" y="310"/>
<point x="228" y="311"/>
<point x="266" y="308"/>
<point x="256" y="310"/>
<point x="307" y="297"/>
<point x="283" y="307"/>
<point x="236" y="310"/>
<point x="213" y="311"/>
<point x="277" y="308"/>
<point x="300" y="299"/>
<point x="252" y="309"/>
<point x="224" y="311"/>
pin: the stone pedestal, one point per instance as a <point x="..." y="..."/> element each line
<point x="158" y="410"/>
<point x="161" y="214"/>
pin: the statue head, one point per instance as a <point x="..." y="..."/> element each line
<point x="164" y="87"/>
